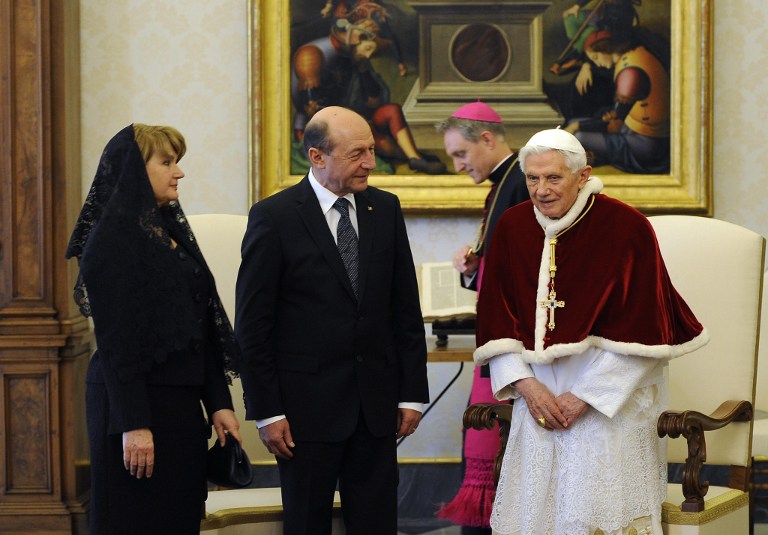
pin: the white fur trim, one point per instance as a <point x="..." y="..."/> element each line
<point x="661" y="352"/>
<point x="490" y="349"/>
<point x="553" y="226"/>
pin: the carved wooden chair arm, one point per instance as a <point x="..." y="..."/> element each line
<point x="691" y="425"/>
<point x="482" y="416"/>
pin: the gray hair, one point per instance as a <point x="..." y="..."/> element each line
<point x="316" y="134"/>
<point x="575" y="161"/>
<point x="470" y="129"/>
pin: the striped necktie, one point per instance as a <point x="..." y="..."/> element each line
<point x="346" y="240"/>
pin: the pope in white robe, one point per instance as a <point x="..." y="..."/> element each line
<point x="584" y="358"/>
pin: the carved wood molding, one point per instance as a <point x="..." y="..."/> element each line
<point x="485" y="416"/>
<point x="692" y="425"/>
<point x="26" y="146"/>
<point x="44" y="344"/>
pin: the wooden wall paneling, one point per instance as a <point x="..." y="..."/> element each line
<point x="68" y="198"/>
<point x="6" y="160"/>
<point x="44" y="343"/>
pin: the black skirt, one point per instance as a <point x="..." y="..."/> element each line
<point x="172" y="500"/>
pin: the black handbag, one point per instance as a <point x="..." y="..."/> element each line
<point x="229" y="465"/>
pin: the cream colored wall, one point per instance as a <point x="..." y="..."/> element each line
<point x="177" y="63"/>
<point x="185" y="64"/>
<point x="741" y="128"/>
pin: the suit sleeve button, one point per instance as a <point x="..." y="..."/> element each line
<point x="359" y="358"/>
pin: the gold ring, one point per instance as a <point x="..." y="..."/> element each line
<point x="542" y="421"/>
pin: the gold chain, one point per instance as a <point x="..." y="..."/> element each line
<point x="553" y="241"/>
<point x="592" y="201"/>
<point x="552" y="303"/>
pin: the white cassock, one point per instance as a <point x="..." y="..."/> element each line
<point x="607" y="471"/>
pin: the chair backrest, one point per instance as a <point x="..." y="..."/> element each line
<point x="761" y="395"/>
<point x="219" y="237"/>
<point x="718" y="269"/>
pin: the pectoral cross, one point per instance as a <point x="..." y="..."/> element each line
<point x="552" y="304"/>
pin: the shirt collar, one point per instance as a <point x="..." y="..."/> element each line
<point x="325" y="196"/>
<point x="497" y="174"/>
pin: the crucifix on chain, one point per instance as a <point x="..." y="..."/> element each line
<point x="552" y="303"/>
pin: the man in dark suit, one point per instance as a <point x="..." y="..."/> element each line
<point x="334" y="355"/>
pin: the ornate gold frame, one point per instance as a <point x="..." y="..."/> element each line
<point x="687" y="189"/>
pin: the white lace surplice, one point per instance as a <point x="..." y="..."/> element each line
<point x="606" y="471"/>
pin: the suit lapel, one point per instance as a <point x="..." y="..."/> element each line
<point x="310" y="213"/>
<point x="366" y="229"/>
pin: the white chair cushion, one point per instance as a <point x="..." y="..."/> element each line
<point x="726" y="512"/>
<point x="251" y="512"/>
<point x="220" y="500"/>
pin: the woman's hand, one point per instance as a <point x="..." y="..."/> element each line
<point x="139" y="452"/>
<point x="225" y="421"/>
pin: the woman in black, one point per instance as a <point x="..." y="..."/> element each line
<point x="164" y="341"/>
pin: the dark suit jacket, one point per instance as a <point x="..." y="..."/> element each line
<point x="513" y="191"/>
<point x="310" y="350"/>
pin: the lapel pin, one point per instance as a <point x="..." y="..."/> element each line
<point x="370" y="208"/>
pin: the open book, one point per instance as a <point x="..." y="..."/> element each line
<point x="441" y="292"/>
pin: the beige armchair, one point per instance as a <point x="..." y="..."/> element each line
<point x="718" y="268"/>
<point x="219" y="237"/>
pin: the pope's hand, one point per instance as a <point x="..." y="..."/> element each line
<point x="541" y="403"/>
<point x="571" y="406"/>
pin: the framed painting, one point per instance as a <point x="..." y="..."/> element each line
<point x="405" y="65"/>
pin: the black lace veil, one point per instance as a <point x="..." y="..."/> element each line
<point x="127" y="281"/>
